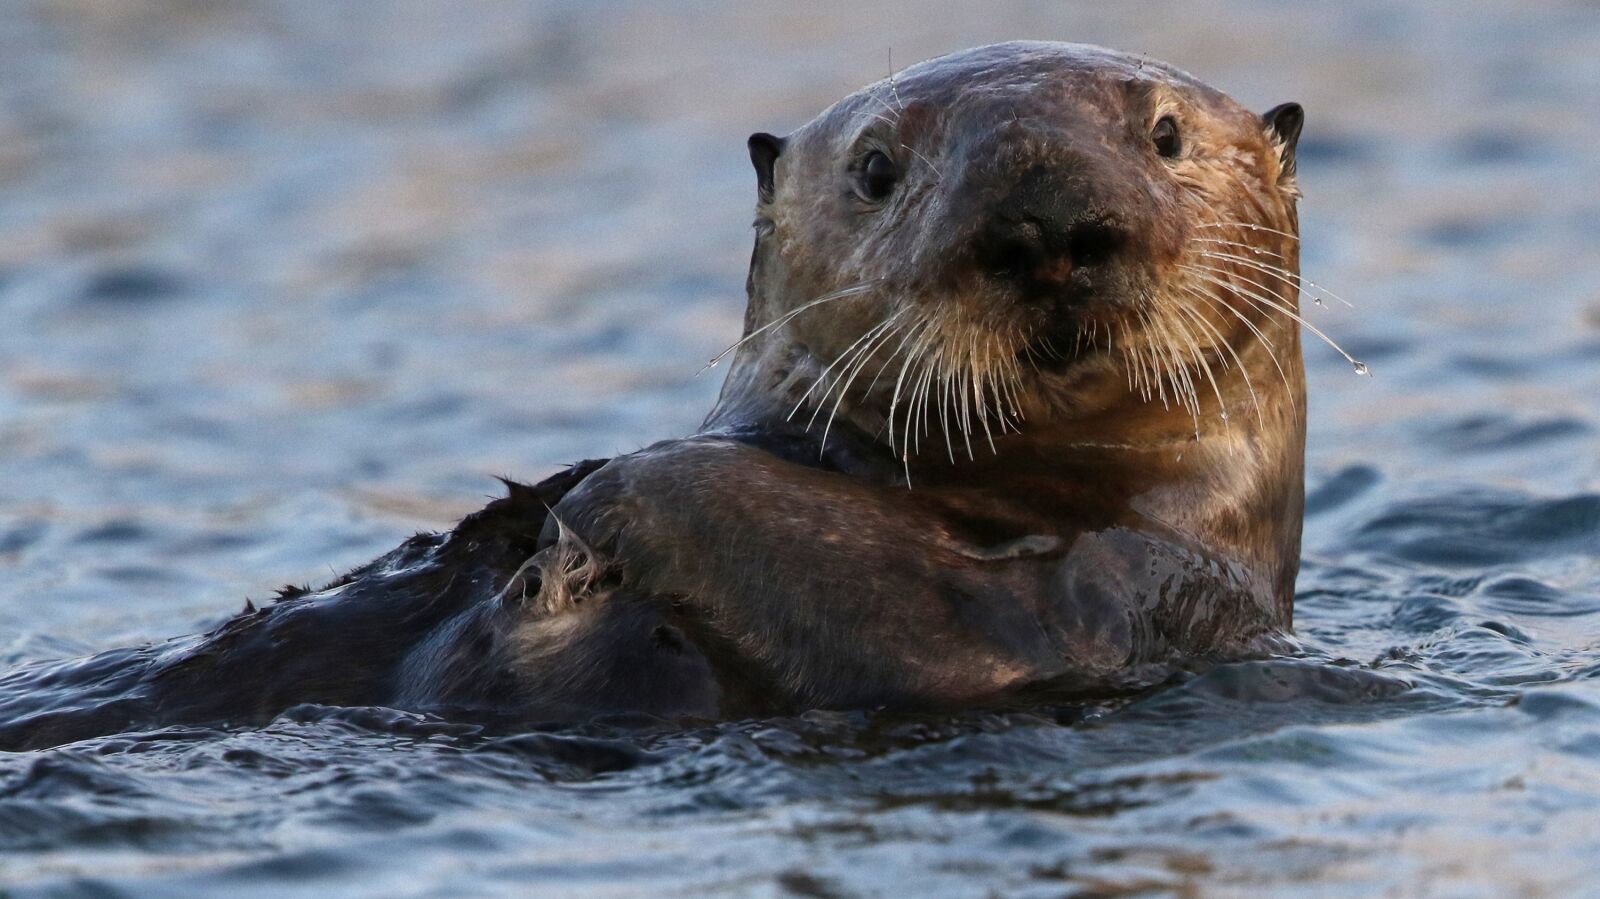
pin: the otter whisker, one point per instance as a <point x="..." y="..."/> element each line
<point x="1031" y="353"/>
<point x="1222" y="341"/>
<point x="941" y="376"/>
<point x="924" y="395"/>
<point x="894" y="87"/>
<point x="926" y="161"/>
<point x="941" y="362"/>
<point x="944" y="405"/>
<point x="920" y="329"/>
<point x="1005" y="400"/>
<point x="1234" y="243"/>
<point x="991" y="381"/>
<point x="1158" y="365"/>
<point x="1127" y="368"/>
<point x="1250" y="226"/>
<point x="905" y="330"/>
<point x="972" y="394"/>
<point x="1203" y="363"/>
<point x="1192" y="345"/>
<point x="1205" y="295"/>
<point x="979" y="394"/>
<point x="1015" y="389"/>
<point x="962" y="408"/>
<point x="1135" y="374"/>
<point x="909" y="440"/>
<point x="922" y="403"/>
<point x="907" y="344"/>
<point x="1263" y="339"/>
<point x="919" y="364"/>
<point x="1359" y="366"/>
<point x="1183" y="388"/>
<point x="857" y="360"/>
<point x="1144" y="377"/>
<point x="1009" y="381"/>
<point x="1282" y="274"/>
<point x="962" y="372"/>
<point x="1158" y="372"/>
<point x="905" y="338"/>
<point x="822" y="377"/>
<point x="954" y="375"/>
<point x="863" y="357"/>
<point x="887" y="108"/>
<point x="992" y="376"/>
<point x="840" y="294"/>
<point x="870" y="114"/>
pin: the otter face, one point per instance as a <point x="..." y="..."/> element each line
<point x="1030" y="231"/>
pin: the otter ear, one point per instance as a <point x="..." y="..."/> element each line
<point x="764" y="152"/>
<point x="1283" y="126"/>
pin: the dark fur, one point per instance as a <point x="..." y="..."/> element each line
<point x="753" y="569"/>
<point x="345" y="644"/>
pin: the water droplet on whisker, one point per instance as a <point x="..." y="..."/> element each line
<point x="1361" y="368"/>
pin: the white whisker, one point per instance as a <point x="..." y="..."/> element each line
<point x="926" y="161"/>
<point x="850" y="291"/>
<point x="864" y="356"/>
<point x="822" y="378"/>
<point x="921" y="329"/>
<point x="1222" y="341"/>
<point x="1281" y="274"/>
<point x="1266" y="342"/>
<point x="1201" y="361"/>
<point x="1249" y="226"/>
<point x="1207" y="274"/>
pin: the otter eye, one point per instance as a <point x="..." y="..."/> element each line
<point x="878" y="176"/>
<point x="1165" y="136"/>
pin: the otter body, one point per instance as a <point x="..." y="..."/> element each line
<point x="1019" y="403"/>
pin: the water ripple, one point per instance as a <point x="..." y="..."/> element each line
<point x="282" y="285"/>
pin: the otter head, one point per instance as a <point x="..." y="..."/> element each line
<point x="1026" y="241"/>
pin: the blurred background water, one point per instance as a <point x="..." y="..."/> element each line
<point x="281" y="282"/>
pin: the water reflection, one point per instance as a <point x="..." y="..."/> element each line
<point x="281" y="284"/>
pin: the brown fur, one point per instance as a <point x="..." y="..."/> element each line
<point x="1162" y="401"/>
<point x="1035" y="416"/>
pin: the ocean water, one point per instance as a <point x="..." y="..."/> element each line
<point x="282" y="282"/>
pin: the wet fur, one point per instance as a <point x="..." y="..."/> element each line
<point x="432" y="625"/>
<point x="919" y="488"/>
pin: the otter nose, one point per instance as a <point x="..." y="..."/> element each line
<point x="1044" y="229"/>
<point x="1027" y="251"/>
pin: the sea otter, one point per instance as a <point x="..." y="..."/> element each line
<point x="1019" y="404"/>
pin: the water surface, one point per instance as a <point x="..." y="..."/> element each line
<point x="283" y="282"/>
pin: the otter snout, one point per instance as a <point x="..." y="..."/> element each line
<point x="1045" y="229"/>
